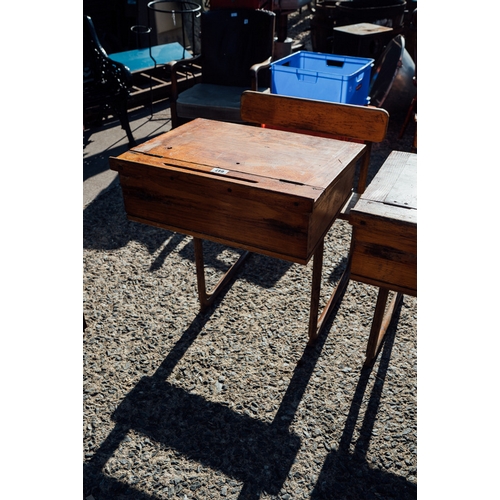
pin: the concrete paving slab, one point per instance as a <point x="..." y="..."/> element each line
<point x="110" y="139"/>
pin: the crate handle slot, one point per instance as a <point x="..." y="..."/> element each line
<point x="306" y="75"/>
<point x="333" y="62"/>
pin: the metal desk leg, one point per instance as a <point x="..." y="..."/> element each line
<point x="206" y="299"/>
<point x="380" y="323"/>
<point x="315" y="324"/>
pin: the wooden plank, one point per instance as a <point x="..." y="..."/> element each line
<point x="369" y="212"/>
<point x="404" y="192"/>
<point x="384" y="253"/>
<point x="386" y="232"/>
<point x="389" y="174"/>
<point x="233" y="150"/>
<point x="356" y="122"/>
<point x="385" y="266"/>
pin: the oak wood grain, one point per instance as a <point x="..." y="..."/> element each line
<point x="355" y="122"/>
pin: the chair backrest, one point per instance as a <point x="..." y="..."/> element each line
<point x="232" y="40"/>
<point x="352" y="122"/>
<point x="98" y="70"/>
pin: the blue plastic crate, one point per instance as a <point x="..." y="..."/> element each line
<point x="326" y="77"/>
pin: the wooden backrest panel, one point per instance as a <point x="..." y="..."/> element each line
<point x="355" y="122"/>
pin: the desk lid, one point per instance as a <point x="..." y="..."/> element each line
<point x="396" y="181"/>
<point x="250" y="153"/>
<point x="392" y="192"/>
<point x="404" y="191"/>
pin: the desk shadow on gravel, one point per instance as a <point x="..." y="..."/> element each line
<point x="106" y="227"/>
<point x="347" y="475"/>
<point x="256" y="453"/>
<point x="253" y="452"/>
<point x="98" y="163"/>
<point x="259" y="269"/>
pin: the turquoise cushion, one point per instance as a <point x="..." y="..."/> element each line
<point x="140" y="59"/>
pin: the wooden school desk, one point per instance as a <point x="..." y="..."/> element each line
<point x="384" y="239"/>
<point x="261" y="190"/>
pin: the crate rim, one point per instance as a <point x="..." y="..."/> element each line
<point x="368" y="61"/>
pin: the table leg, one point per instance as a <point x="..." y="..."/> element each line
<point x="315" y="324"/>
<point x="315" y="292"/>
<point x="206" y="299"/>
<point x="380" y="323"/>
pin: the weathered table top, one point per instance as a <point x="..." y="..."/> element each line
<point x="393" y="192"/>
<point x="269" y="159"/>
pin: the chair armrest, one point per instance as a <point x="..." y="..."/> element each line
<point x="254" y="70"/>
<point x="174" y="67"/>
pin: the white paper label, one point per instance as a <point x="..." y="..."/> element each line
<point x="219" y="171"/>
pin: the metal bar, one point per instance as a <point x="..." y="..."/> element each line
<point x="315" y="324"/>
<point x="206" y="299"/>
<point x="315" y="292"/>
<point x="380" y="323"/>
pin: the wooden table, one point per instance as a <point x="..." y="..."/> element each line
<point x="267" y="191"/>
<point x="384" y="240"/>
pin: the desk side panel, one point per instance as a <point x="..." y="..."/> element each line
<point x="385" y="255"/>
<point x="329" y="205"/>
<point x="233" y="213"/>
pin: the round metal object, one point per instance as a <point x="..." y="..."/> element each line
<point x="361" y="11"/>
<point x="392" y="86"/>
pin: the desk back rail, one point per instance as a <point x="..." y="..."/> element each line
<point x="346" y="121"/>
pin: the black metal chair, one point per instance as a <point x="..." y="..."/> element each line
<point x="105" y="83"/>
<point x="235" y="45"/>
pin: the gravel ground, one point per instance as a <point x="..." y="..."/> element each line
<point x="231" y="404"/>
